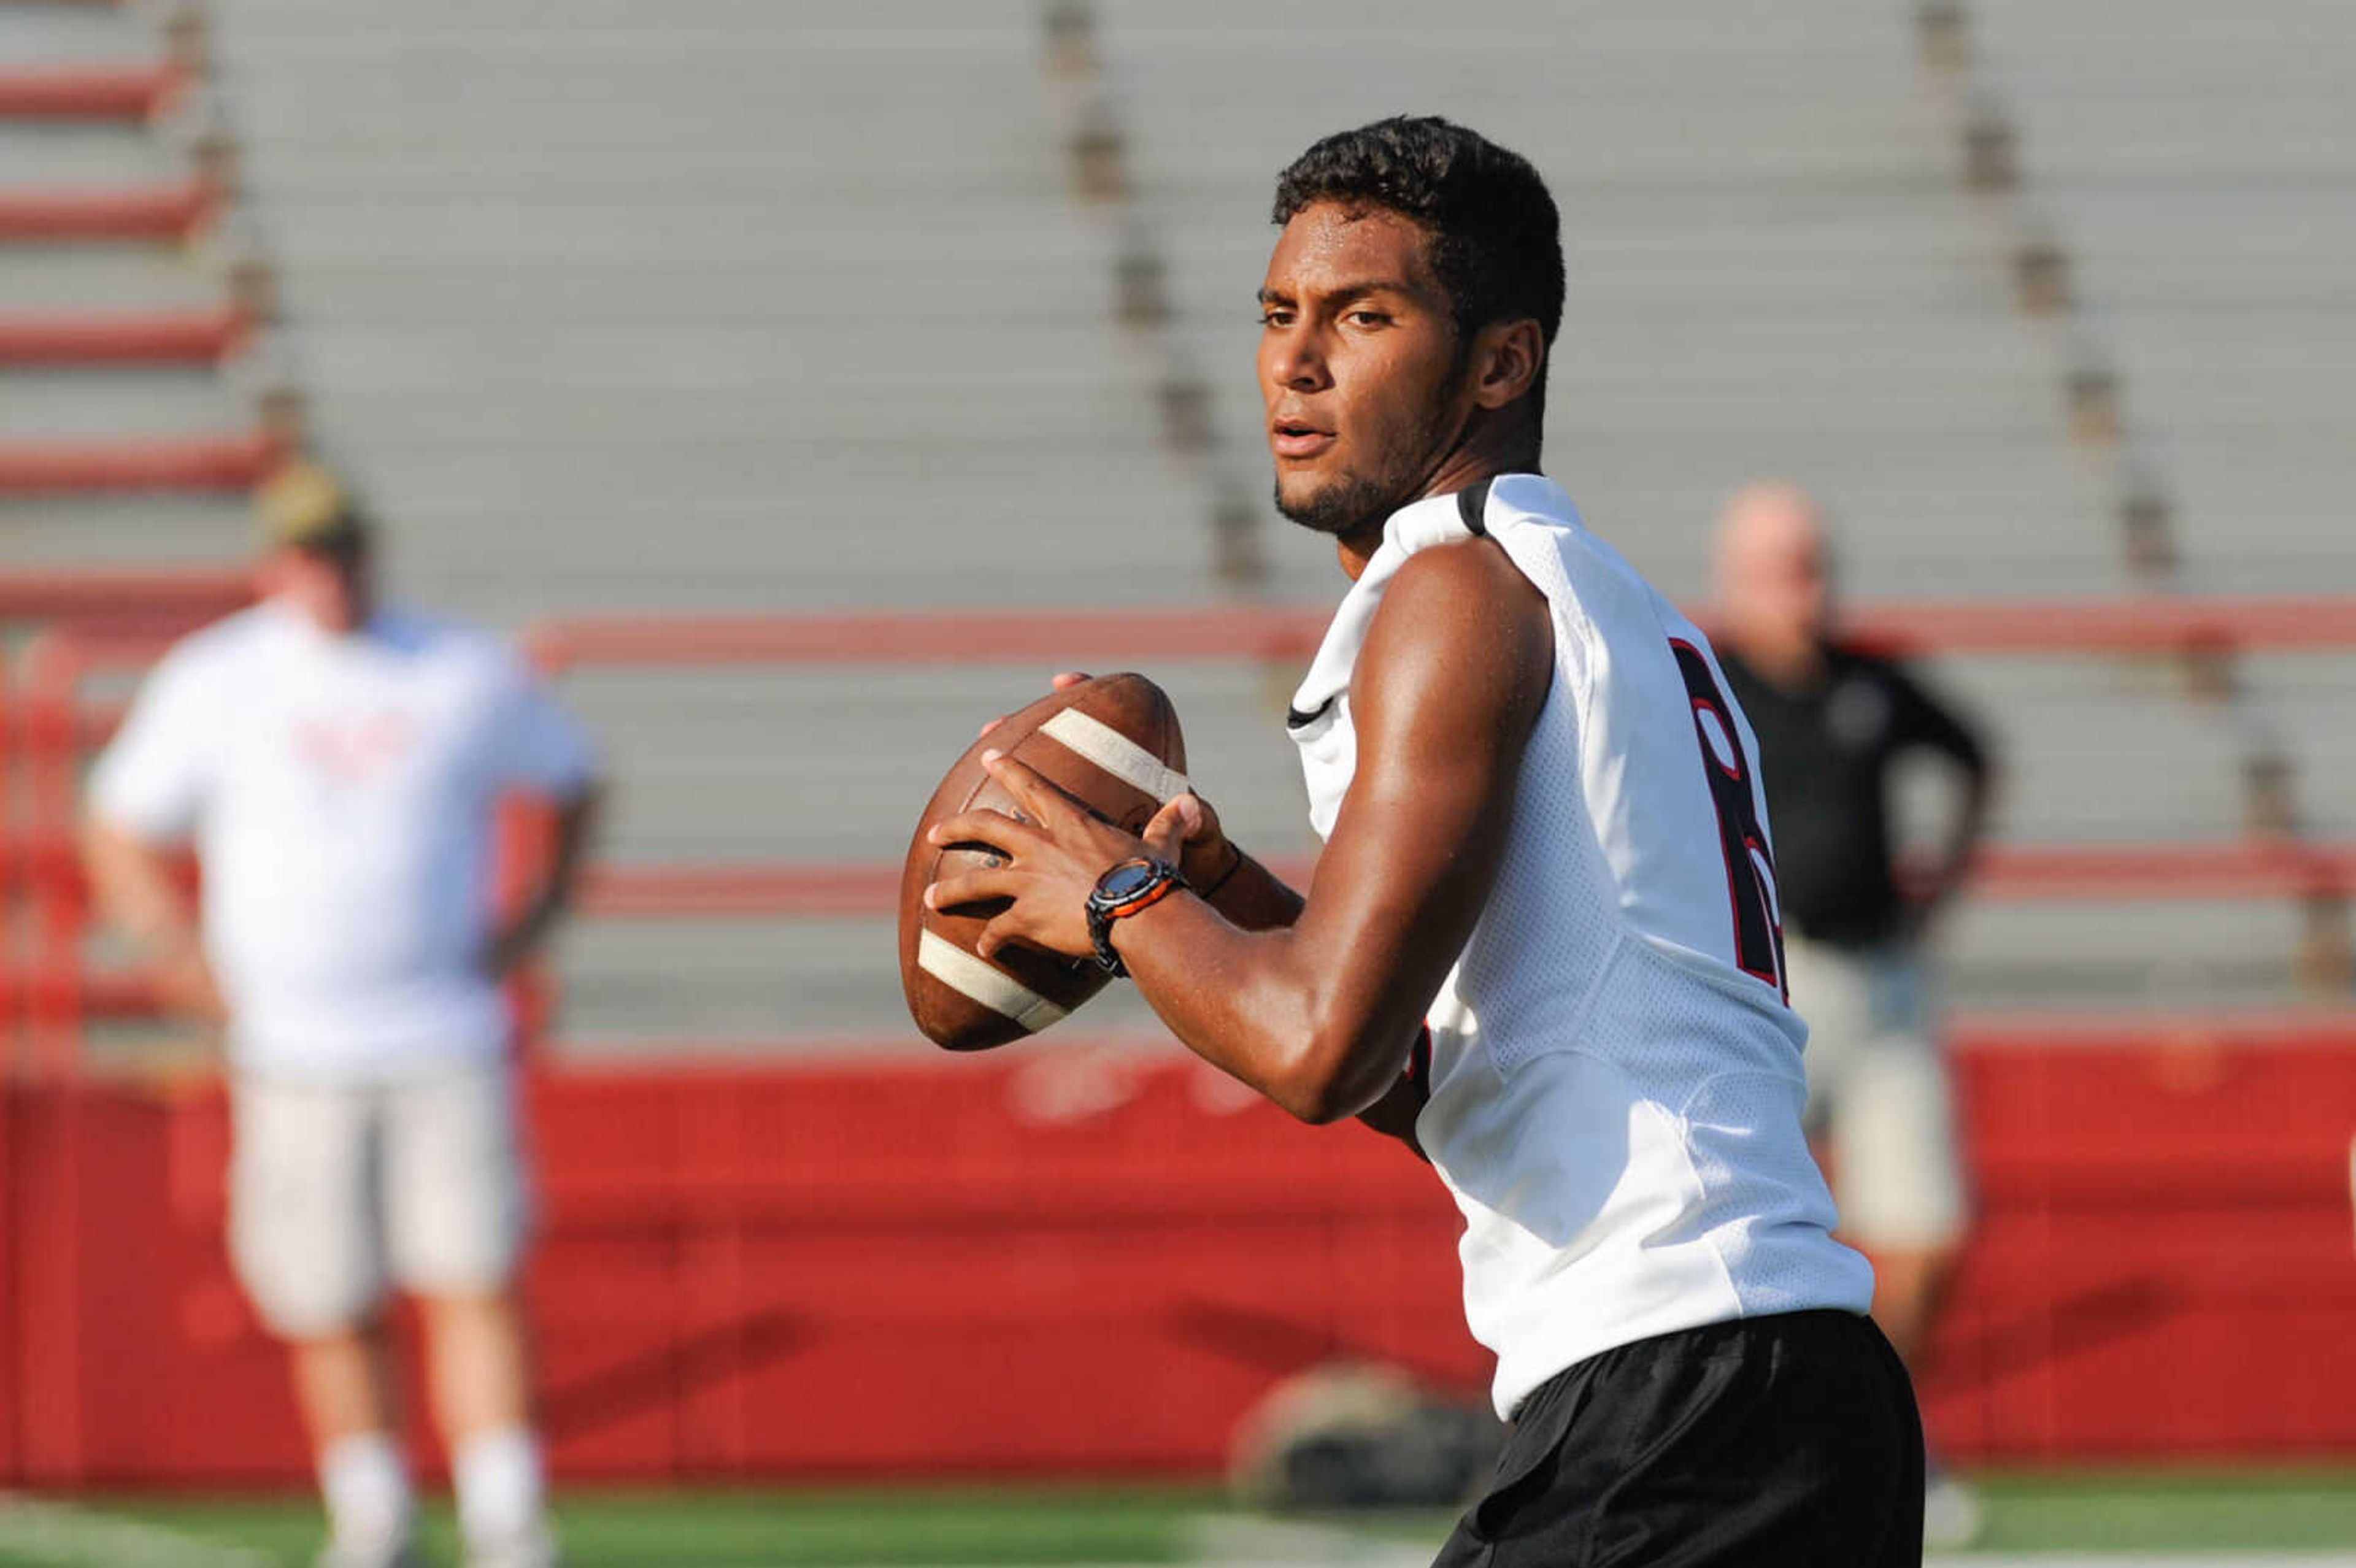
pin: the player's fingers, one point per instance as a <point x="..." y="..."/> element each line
<point x="1165" y="837"/>
<point x="994" y="829"/>
<point x="971" y="888"/>
<point x="1042" y="802"/>
<point x="1062" y="678"/>
<point x="998" y="934"/>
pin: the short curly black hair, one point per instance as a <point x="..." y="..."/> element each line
<point x="1496" y="240"/>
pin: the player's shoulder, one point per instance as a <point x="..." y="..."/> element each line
<point x="1603" y="605"/>
<point x="1463" y="590"/>
<point x="227" y="645"/>
<point x="1471" y="568"/>
<point x="452" y="640"/>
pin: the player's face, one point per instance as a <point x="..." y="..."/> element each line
<point x="1780" y="576"/>
<point x="1360" y="365"/>
<point x="328" y="587"/>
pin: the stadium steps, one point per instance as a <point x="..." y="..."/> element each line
<point x="2195" y="173"/>
<point x="1770" y="270"/>
<point x="124" y="442"/>
<point x="748" y="306"/>
<point x="2067" y="724"/>
<point x="739" y="279"/>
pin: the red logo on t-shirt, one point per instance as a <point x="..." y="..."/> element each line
<point x="355" y="750"/>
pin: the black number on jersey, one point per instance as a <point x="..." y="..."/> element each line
<point x="1749" y="864"/>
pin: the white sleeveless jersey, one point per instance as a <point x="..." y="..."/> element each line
<point x="1616" y="1082"/>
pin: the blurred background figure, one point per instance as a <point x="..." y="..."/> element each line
<point x="1833" y="720"/>
<point x="339" y="764"/>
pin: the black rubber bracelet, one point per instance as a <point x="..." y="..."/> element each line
<point x="1224" y="878"/>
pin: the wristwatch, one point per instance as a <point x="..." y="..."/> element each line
<point x="1133" y="885"/>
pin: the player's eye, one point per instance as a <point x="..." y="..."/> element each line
<point x="1275" y="318"/>
<point x="1367" y="318"/>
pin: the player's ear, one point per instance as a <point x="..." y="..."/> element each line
<point x="1507" y="360"/>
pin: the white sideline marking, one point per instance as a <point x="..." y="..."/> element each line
<point x="62" y="1533"/>
<point x="1116" y="754"/>
<point x="979" y="981"/>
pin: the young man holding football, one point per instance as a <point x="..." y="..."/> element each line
<point x="1542" y="943"/>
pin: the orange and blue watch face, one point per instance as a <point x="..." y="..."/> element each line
<point x="1127" y="881"/>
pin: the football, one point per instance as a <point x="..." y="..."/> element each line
<point x="1110" y="743"/>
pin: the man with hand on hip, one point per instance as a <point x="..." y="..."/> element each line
<point x="339" y="764"/>
<point x="1834" y="720"/>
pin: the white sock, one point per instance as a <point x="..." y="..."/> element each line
<point x="366" y="1490"/>
<point x="502" y="1492"/>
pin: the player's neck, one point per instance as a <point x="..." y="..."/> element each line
<point x="1485" y="453"/>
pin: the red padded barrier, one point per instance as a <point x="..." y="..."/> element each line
<point x="16" y="1264"/>
<point x="1071" y="1260"/>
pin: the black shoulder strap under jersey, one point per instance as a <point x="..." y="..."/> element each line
<point x="1472" y="504"/>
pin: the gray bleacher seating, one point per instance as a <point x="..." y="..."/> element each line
<point x="732" y="304"/>
<point x="1770" y="268"/>
<point x="2202" y="164"/>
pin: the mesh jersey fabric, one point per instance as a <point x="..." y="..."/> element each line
<point x="1616" y="1104"/>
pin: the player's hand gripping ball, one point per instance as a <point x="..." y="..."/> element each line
<point x="1111" y="747"/>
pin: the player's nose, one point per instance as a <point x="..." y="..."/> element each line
<point x="1294" y="361"/>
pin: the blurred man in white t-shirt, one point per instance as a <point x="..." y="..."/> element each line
<point x="338" y="764"/>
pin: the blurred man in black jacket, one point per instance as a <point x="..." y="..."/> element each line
<point x="1831" y="720"/>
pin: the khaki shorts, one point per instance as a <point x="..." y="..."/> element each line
<point x="1879" y="1101"/>
<point x="339" y="1192"/>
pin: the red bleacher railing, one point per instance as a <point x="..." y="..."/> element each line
<point x="2013" y="873"/>
<point x="191" y="335"/>
<point x="174" y="600"/>
<point x="167" y="210"/>
<point x="2236" y="870"/>
<point x="55" y="728"/>
<point x="234" y="461"/>
<point x="87" y="93"/>
<point x="2151" y="625"/>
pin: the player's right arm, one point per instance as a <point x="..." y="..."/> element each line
<point x="1322" y="1015"/>
<point x="139" y="892"/>
<point x="145" y="797"/>
<point x="1250" y="897"/>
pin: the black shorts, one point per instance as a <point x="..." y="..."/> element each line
<point x="1791" y="1439"/>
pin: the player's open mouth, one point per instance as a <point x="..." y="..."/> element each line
<point x="1294" y="438"/>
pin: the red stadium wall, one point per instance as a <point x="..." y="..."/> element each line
<point x="1052" y="1262"/>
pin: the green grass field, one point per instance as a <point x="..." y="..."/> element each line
<point x="2211" y="1516"/>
